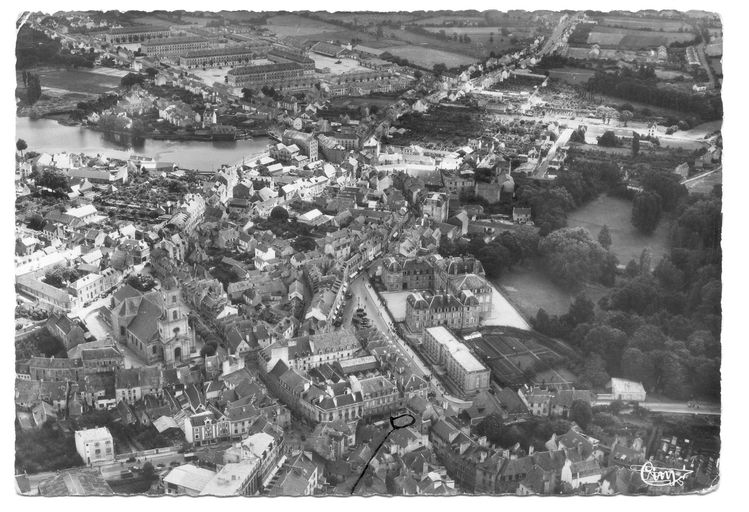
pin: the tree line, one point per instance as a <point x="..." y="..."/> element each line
<point x="660" y="326"/>
<point x="628" y="85"/>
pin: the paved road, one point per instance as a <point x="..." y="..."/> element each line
<point x="705" y="408"/>
<point x="364" y="296"/>
<point x="706" y="65"/>
<point x="681" y="408"/>
<point x="543" y="166"/>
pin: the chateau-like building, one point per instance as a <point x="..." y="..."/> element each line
<point x="439" y="275"/>
<point x="458" y="312"/>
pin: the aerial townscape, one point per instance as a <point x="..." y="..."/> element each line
<point x="368" y="253"/>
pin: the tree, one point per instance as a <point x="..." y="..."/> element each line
<point x="606" y="341"/>
<point x="625" y="116"/>
<point x="604" y="237"/>
<point x="209" y="349"/>
<point x="608" y="139"/>
<point x="495" y="258"/>
<point x="279" y="214"/>
<point x="33" y="89"/>
<point x="674" y="381"/>
<point x="152" y="72"/>
<point x="578" y="135"/>
<point x="572" y="257"/>
<point x="648" y="338"/>
<point x="646" y="211"/>
<point x="582" y="310"/>
<point x="248" y="94"/>
<point x="635" y="144"/>
<point x="21" y="145"/>
<point x="668" y="275"/>
<point x="439" y="69"/>
<point x="132" y="79"/>
<point x="615" y="407"/>
<point x="668" y="187"/>
<point x="491" y="427"/>
<point x="594" y="373"/>
<point x="148" y="471"/>
<point x="581" y="413"/>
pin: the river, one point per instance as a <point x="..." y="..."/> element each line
<point x="49" y="136"/>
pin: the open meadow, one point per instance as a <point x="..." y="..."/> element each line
<point x="290" y="25"/>
<point x="626" y="242"/>
<point x="76" y="80"/>
<point x="428" y="57"/>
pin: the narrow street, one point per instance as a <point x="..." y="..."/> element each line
<point x="365" y="297"/>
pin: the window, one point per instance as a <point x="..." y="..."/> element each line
<point x="174" y="315"/>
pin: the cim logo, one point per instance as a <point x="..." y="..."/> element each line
<point x="662" y="477"/>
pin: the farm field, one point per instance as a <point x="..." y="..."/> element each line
<point x="441" y="20"/>
<point x="512" y="355"/>
<point x="626" y="242"/>
<point x="633" y="39"/>
<point x="572" y="76"/>
<point x="428" y="57"/>
<point x="645" y="23"/>
<point x="478" y="32"/>
<point x="370" y="18"/>
<point x="76" y="80"/>
<point x="291" y="25"/>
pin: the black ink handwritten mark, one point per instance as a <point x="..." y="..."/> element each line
<point x="396" y="422"/>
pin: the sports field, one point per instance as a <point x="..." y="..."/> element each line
<point x="519" y="357"/>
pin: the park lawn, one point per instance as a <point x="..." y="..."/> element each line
<point x="75" y="80"/>
<point x="504" y="312"/>
<point x="530" y="290"/>
<point x="626" y="242"/>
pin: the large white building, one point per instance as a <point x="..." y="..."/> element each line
<point x="463" y="369"/>
<point x="94" y="445"/>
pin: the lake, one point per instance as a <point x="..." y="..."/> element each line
<point x="49" y="136"/>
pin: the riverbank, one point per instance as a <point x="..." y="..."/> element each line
<point x="64" y="119"/>
<point x="50" y="136"/>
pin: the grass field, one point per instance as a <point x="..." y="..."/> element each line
<point x="482" y="33"/>
<point x="531" y="290"/>
<point x="441" y="20"/>
<point x="369" y="18"/>
<point x="626" y="241"/>
<point x="645" y="23"/>
<point x="572" y="76"/>
<point x="75" y="80"/>
<point x="290" y="25"/>
<point x="428" y="57"/>
<point x="633" y="39"/>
